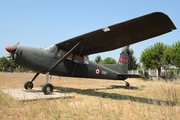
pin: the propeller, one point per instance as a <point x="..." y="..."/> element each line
<point x="12" y="49"/>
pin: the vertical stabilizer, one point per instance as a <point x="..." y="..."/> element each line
<point x="123" y="63"/>
<point x="121" y="66"/>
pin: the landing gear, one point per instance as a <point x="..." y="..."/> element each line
<point x="127" y="84"/>
<point x="47" y="88"/>
<point x="28" y="85"/>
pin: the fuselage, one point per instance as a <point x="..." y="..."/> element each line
<point x="40" y="60"/>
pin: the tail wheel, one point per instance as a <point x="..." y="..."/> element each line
<point x="28" y="85"/>
<point x="47" y="88"/>
<point x="127" y="84"/>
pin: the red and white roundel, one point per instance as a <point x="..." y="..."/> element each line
<point x="97" y="71"/>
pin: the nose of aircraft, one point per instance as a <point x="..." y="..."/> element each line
<point x="12" y="49"/>
<point x="9" y="49"/>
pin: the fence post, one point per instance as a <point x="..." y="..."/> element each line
<point x="157" y="74"/>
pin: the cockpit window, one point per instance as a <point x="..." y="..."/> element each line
<point x="52" y="49"/>
<point x="76" y="58"/>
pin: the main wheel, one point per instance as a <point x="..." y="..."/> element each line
<point x="28" y="85"/>
<point x="47" y="88"/>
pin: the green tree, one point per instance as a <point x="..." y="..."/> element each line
<point x="13" y="65"/>
<point x="132" y="61"/>
<point x="109" y="60"/>
<point x="97" y="59"/>
<point x="4" y="63"/>
<point x="172" y="54"/>
<point x="153" y="57"/>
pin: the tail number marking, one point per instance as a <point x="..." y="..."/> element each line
<point x="104" y="72"/>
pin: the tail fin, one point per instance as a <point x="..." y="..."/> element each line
<point x="121" y="66"/>
<point x="123" y="63"/>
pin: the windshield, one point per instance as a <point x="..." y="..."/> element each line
<point x="52" y="49"/>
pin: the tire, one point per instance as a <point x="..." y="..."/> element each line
<point x="28" y="85"/>
<point x="47" y="88"/>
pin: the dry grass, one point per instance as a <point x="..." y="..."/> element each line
<point x="93" y="101"/>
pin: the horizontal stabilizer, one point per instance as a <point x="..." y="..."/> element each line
<point x="125" y="76"/>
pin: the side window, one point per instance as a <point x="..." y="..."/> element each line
<point x="74" y="57"/>
<point x="85" y="61"/>
<point x="78" y="59"/>
<point x="61" y="53"/>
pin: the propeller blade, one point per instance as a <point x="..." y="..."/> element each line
<point x="15" y="46"/>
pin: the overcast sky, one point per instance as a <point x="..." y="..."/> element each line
<point x="40" y="23"/>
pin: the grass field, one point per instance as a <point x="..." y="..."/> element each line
<point x="153" y="100"/>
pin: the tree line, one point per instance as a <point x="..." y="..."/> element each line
<point x="8" y="65"/>
<point x="159" y="55"/>
<point x="153" y="57"/>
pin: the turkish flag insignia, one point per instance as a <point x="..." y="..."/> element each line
<point x="122" y="59"/>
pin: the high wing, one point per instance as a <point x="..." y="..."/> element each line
<point x="121" y="34"/>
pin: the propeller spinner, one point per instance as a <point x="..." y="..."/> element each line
<point x="12" y="49"/>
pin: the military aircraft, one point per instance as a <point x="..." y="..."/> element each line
<point x="69" y="58"/>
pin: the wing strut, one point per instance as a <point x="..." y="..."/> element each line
<point x="65" y="56"/>
<point x="47" y="88"/>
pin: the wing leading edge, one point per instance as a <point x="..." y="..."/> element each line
<point x="121" y="34"/>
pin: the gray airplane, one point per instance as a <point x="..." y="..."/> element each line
<point x="69" y="58"/>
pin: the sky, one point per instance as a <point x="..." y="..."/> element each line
<point x="39" y="23"/>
